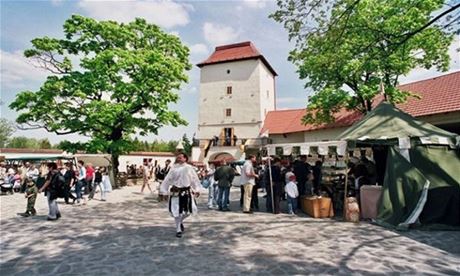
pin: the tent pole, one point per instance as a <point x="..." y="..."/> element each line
<point x="271" y="181"/>
<point x="346" y="186"/>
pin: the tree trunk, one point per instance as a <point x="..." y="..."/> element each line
<point x="115" y="164"/>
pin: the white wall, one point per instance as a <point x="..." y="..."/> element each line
<point x="296" y="137"/>
<point x="323" y="134"/>
<point x="138" y="160"/>
<point x="308" y="136"/>
<point x="245" y="100"/>
<point x="267" y="91"/>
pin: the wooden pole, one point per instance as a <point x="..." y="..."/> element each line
<point x="346" y="186"/>
<point x="271" y="181"/>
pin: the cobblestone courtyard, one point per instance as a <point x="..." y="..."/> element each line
<point x="133" y="234"/>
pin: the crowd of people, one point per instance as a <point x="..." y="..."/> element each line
<point x="179" y="183"/>
<point x="72" y="182"/>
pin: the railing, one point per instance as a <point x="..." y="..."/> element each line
<point x="231" y="142"/>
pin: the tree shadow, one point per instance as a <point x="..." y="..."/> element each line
<point x="137" y="237"/>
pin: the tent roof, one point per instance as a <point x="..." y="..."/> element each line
<point x="388" y="122"/>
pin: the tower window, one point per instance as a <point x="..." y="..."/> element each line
<point x="229" y="90"/>
<point x="228" y="71"/>
<point x="228" y="112"/>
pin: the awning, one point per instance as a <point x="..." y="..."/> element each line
<point x="323" y="148"/>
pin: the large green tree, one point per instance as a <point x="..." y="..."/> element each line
<point x="346" y="48"/>
<point x="122" y="83"/>
<point x="6" y="130"/>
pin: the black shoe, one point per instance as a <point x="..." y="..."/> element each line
<point x="51" y="219"/>
<point x="179" y="234"/>
<point x="58" y="215"/>
<point x="24" y="214"/>
<point x="182" y="228"/>
<point x="248" y="212"/>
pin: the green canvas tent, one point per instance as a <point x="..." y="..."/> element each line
<point x="387" y="122"/>
<point x="422" y="177"/>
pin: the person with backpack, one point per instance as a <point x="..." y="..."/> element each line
<point x="53" y="187"/>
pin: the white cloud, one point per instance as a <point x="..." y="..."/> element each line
<point x="17" y="71"/>
<point x="216" y="34"/>
<point x="175" y="33"/>
<point x="199" y="49"/>
<point x="167" y="14"/>
<point x="255" y="4"/>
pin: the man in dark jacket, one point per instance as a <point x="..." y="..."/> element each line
<point x="224" y="175"/>
<point x="301" y="171"/>
<point x="276" y="186"/>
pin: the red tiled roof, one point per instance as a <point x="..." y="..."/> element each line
<point x="235" y="52"/>
<point x="288" y="121"/>
<point x="438" y="95"/>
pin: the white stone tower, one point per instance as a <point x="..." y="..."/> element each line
<point x="237" y="89"/>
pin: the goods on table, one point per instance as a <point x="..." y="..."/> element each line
<point x="318" y="207"/>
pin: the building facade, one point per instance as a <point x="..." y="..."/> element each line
<point x="237" y="90"/>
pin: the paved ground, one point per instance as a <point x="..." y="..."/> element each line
<point x="132" y="234"/>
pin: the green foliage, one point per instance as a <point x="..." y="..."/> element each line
<point x="6" y="130"/>
<point x="22" y="142"/>
<point x="187" y="145"/>
<point x="127" y="76"/>
<point x="345" y="48"/>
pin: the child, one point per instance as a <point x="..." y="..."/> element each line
<point x="292" y="194"/>
<point x="31" y="195"/>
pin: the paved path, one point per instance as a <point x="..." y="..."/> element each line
<point x="132" y="234"/>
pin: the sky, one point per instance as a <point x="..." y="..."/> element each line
<point x="201" y="25"/>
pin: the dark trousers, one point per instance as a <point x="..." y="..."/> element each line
<point x="88" y="186"/>
<point x="255" y="198"/>
<point x="301" y="186"/>
<point x="276" y="200"/>
<point x="78" y="186"/>
<point x="223" y="198"/>
<point x="68" y="194"/>
<point x="241" y="196"/>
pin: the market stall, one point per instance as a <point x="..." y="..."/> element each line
<point x="421" y="181"/>
<point x="334" y="156"/>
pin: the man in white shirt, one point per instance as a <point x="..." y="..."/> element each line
<point x="33" y="173"/>
<point x="248" y="180"/>
<point x="182" y="184"/>
<point x="81" y="180"/>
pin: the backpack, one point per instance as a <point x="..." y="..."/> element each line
<point x="57" y="185"/>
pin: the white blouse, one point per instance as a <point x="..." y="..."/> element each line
<point x="181" y="176"/>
